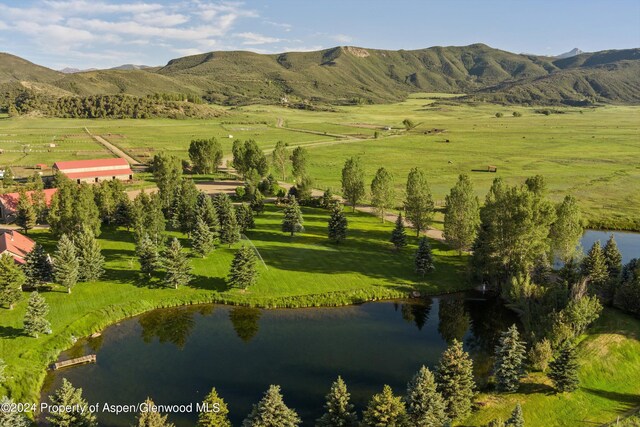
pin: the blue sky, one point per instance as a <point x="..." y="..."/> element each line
<point x="102" y="33"/>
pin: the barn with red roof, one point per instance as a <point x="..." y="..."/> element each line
<point x="9" y="203"/>
<point x="15" y="244"/>
<point x="98" y="170"/>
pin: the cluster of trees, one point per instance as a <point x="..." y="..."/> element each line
<point x="106" y="106"/>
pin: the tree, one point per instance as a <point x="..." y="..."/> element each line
<point x="454" y="377"/>
<point x="628" y="293"/>
<point x="244" y="272"/>
<point x="7" y="179"/>
<point x="424" y="258"/>
<point x="183" y="211"/>
<point x="337" y="224"/>
<point x="205" y="155"/>
<point x="73" y="208"/>
<point x="398" y="235"/>
<point x="177" y="265"/>
<point x="540" y="354"/>
<point x="567" y="229"/>
<point x="385" y="410"/>
<point x="150" y="417"/>
<point x="299" y="162"/>
<point x="408" y="124"/>
<point x="148" y="255"/>
<point x="148" y="218"/>
<point x="206" y="211"/>
<point x="91" y="261"/>
<point x="461" y="215"/>
<point x="11" y="280"/>
<point x="244" y="214"/>
<point x="382" y="192"/>
<point x="35" y="321"/>
<point x="563" y="370"/>
<point x="271" y="411"/>
<point x="339" y="410"/>
<point x="425" y="405"/>
<point x="613" y="258"/>
<point x="167" y="172"/>
<point x="517" y="418"/>
<point x="202" y="239"/>
<point x="215" y="413"/>
<point x="353" y="181"/>
<point x="248" y="156"/>
<point x="257" y="202"/>
<point x="594" y="266"/>
<point x="292" y="220"/>
<point x="419" y="203"/>
<point x="279" y="158"/>
<point x="229" y="230"/>
<point x="510" y="356"/>
<point x="26" y="216"/>
<point x="12" y="418"/>
<point x="79" y="415"/>
<point x="66" y="266"/>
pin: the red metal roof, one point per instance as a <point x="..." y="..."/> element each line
<point x="16" y="244"/>
<point x="97" y="163"/>
<point x="10" y="200"/>
<point x="98" y="174"/>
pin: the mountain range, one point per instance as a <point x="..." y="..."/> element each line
<point x="348" y="74"/>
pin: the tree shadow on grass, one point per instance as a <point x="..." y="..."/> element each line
<point x="9" y="332"/>
<point x="627" y="399"/>
<point x="217" y="284"/>
<point x="536" y="388"/>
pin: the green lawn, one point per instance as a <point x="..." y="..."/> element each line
<point x="304" y="270"/>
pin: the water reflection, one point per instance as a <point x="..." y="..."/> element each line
<point x="416" y="312"/>
<point x="173" y="325"/>
<point x="245" y="321"/>
<point x="453" y="319"/>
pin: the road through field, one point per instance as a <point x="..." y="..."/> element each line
<point x="115" y="150"/>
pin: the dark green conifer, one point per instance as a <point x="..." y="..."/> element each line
<point x="424" y="258"/>
<point x="510" y="357"/>
<point x="68" y="396"/>
<point x="177" y="265"/>
<point x="202" y="239"/>
<point x="271" y="411"/>
<point x="517" y="418"/>
<point x="11" y="280"/>
<point x="148" y="255"/>
<point x="454" y="377"/>
<point x="386" y="410"/>
<point x="425" y="405"/>
<point x="292" y="221"/>
<point x="66" y="266"/>
<point x="35" y="319"/>
<point x="37" y="267"/>
<point x="563" y="370"/>
<point x="339" y="410"/>
<point x="150" y="417"/>
<point x="337" y="224"/>
<point x="244" y="272"/>
<point x="215" y="412"/>
<point x="399" y="235"/>
<point x="91" y="261"/>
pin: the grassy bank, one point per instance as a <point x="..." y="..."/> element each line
<point x="305" y="270"/>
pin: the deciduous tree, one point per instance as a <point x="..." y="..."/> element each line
<point x="279" y="159"/>
<point x="382" y="192"/>
<point x="418" y="203"/>
<point x="205" y="155"/>
<point x="461" y="215"/>
<point x="353" y="181"/>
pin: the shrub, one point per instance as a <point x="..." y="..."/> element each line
<point x="498" y="115"/>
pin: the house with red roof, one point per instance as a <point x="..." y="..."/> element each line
<point x="9" y="203"/>
<point x="15" y="244"/>
<point x="93" y="171"/>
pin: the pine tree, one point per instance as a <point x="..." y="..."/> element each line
<point x="11" y="280"/>
<point x="35" y="321"/>
<point x="244" y="214"/>
<point x="339" y="411"/>
<point x="424" y="258"/>
<point x="271" y="411"/>
<point x="215" y="413"/>
<point x="454" y="377"/>
<point x="148" y="255"/>
<point x="462" y="215"/>
<point x="202" y="240"/>
<point x="353" y="181"/>
<point x="37" y="267"/>
<point x="425" y="405"/>
<point x="150" y="417"/>
<point x="257" y="202"/>
<point x="206" y="211"/>
<point x="177" y="265"/>
<point x="419" y="202"/>
<point x="382" y="192"/>
<point x="613" y="258"/>
<point x="229" y="230"/>
<point x="292" y="221"/>
<point x="517" y="418"/>
<point x="385" y="410"/>
<point x="594" y="266"/>
<point x="26" y="216"/>
<point x="510" y="356"/>
<point x="69" y="396"/>
<point x="563" y="370"/>
<point x="337" y="224"/>
<point x="12" y="418"/>
<point x="91" y="261"/>
<point x="244" y="272"/>
<point x="399" y="235"/>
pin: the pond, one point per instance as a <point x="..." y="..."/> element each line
<point x="177" y="355"/>
<point x="628" y="242"/>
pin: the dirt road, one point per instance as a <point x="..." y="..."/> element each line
<point x="115" y="150"/>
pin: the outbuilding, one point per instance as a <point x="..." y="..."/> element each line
<point x="92" y="171"/>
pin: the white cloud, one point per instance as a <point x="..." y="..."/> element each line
<point x="256" y="39"/>
<point x="302" y="48"/>
<point x="285" y="27"/>
<point x="342" y="38"/>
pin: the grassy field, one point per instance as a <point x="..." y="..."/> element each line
<point x="593" y="153"/>
<point x="305" y="270"/>
<point x="609" y="360"/>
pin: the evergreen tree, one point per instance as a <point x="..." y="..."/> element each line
<point x="91" y="261"/>
<point x="73" y="208"/>
<point x="215" y="413"/>
<point x="385" y="410"/>
<point x="399" y="235"/>
<point x="26" y="216"/>
<point x="382" y="192"/>
<point x="628" y="293"/>
<point x="292" y="221"/>
<point x="68" y="396"/>
<point x="563" y="370"/>
<point x="419" y="202"/>
<point x="594" y="266"/>
<point x="35" y="321"/>
<point x="353" y="181"/>
<point x="12" y="418"/>
<point x="66" y="266"/>
<point x="424" y="258"/>
<point x="279" y="159"/>
<point x="229" y="230"/>
<point x="425" y="405"/>
<point x="206" y="211"/>
<point x="339" y="411"/>
<point x="123" y="215"/>
<point x="461" y="215"/>
<point x="510" y="356"/>
<point x="454" y="377"/>
<point x="337" y="224"/>
<point x="202" y="239"/>
<point x="37" y="267"/>
<point x="177" y="265"/>
<point x="613" y="258"/>
<point x="566" y="231"/>
<point x="148" y="255"/>
<point x="150" y="417"/>
<point x="183" y="211"/>
<point x="299" y="163"/>
<point x="244" y="214"/>
<point x="271" y="411"/>
<point x="517" y="418"/>
<point x="11" y="280"/>
<point x="257" y="202"/>
<point x="244" y="272"/>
